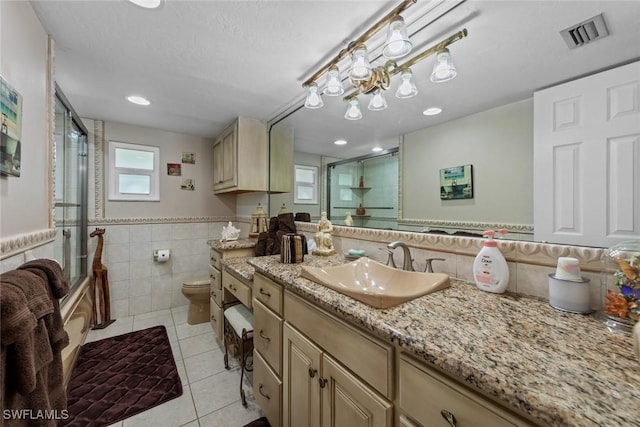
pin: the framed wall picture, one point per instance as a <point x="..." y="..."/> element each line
<point x="10" y="129"/>
<point x="456" y="182"/>
<point x="174" y="169"/>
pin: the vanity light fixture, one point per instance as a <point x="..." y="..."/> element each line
<point x="147" y="4"/>
<point x="432" y="111"/>
<point x="138" y="100"/>
<point x="369" y="80"/>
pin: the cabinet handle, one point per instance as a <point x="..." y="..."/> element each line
<point x="312" y="372"/>
<point x="265" y="395"/>
<point x="322" y="382"/>
<point x="213" y="319"/>
<point x="265" y="293"/>
<point x="232" y="288"/>
<point x="448" y="416"/>
<point x="263" y="336"/>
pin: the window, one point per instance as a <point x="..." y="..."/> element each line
<point x="306" y="185"/>
<point x="134" y="172"/>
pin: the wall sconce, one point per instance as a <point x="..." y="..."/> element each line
<point x="365" y="79"/>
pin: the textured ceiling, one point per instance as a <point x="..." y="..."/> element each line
<point x="203" y="63"/>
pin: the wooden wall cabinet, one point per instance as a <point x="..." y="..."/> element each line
<point x="240" y="157"/>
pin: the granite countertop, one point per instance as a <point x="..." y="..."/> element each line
<point x="239" y="267"/>
<point x="219" y="245"/>
<point x="561" y="369"/>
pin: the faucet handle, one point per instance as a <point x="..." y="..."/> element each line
<point x="429" y="267"/>
<point x="390" y="261"/>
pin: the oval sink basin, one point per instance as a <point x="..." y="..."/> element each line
<point x="376" y="284"/>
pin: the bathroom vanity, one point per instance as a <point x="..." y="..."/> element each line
<point x="223" y="251"/>
<point x="457" y="354"/>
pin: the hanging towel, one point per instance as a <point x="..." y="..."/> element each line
<point x="57" y="281"/>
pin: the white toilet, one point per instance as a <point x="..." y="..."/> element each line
<point x="197" y="292"/>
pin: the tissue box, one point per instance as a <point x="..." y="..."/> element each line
<point x="293" y="248"/>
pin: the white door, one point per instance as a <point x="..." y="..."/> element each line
<point x="587" y="159"/>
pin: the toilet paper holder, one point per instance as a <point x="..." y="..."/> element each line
<point x="161" y="255"/>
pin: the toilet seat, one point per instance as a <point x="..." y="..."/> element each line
<point x="196" y="283"/>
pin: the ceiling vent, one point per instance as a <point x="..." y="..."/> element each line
<point x="585" y="32"/>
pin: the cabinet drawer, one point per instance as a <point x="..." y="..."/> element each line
<point x="369" y="358"/>
<point x="424" y="393"/>
<point x="267" y="390"/>
<point x="237" y="288"/>
<point x="267" y="337"/>
<point x="268" y="292"/>
<point x="216" y="295"/>
<point x="214" y="278"/>
<point x="215" y="257"/>
<point x="216" y="318"/>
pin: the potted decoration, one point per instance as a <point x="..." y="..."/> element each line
<point x="622" y="301"/>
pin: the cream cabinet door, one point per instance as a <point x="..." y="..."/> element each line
<point x="224" y="160"/>
<point x="301" y="375"/>
<point x="348" y="402"/>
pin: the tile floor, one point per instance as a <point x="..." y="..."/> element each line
<point x="211" y="394"/>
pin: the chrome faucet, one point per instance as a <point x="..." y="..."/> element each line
<point x="390" y="262"/>
<point x="407" y="263"/>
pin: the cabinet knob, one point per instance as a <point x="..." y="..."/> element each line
<point x="265" y="293"/>
<point x="263" y="336"/>
<point x="448" y="416"/>
<point x="265" y="395"/>
<point x="312" y="372"/>
<point x="322" y="382"/>
<point x="213" y="319"/>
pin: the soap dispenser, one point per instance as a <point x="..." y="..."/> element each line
<point x="490" y="269"/>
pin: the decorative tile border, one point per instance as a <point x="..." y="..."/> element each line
<point x="525" y="252"/>
<point x="161" y="220"/>
<point x="516" y="228"/>
<point x="21" y="243"/>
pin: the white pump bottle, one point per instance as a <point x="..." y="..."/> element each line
<point x="490" y="269"/>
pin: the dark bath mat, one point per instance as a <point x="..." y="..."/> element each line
<point x="260" y="422"/>
<point x="118" y="377"/>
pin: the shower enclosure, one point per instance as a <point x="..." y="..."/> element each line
<point x="70" y="192"/>
<point x="367" y="188"/>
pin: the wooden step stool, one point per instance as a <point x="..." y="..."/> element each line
<point x="238" y="332"/>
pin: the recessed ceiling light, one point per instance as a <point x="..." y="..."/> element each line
<point x="135" y="99"/>
<point x="340" y="142"/>
<point x="376" y="149"/>
<point x="147" y="4"/>
<point x="432" y="111"/>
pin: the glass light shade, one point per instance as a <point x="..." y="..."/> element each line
<point x="443" y="70"/>
<point x="398" y="43"/>
<point x="314" y="100"/>
<point x="360" y="68"/>
<point x="353" y="110"/>
<point x="334" y="83"/>
<point x="377" y="101"/>
<point x="407" y="88"/>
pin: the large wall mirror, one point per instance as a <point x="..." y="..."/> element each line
<point x="512" y="50"/>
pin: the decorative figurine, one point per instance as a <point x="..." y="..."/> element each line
<point x="323" y="239"/>
<point x="100" y="285"/>
<point x="348" y="221"/>
<point x="230" y="233"/>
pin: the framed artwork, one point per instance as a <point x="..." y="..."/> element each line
<point x="188" y="184"/>
<point x="10" y="129"/>
<point x="174" y="169"/>
<point x="189" y="158"/>
<point x="456" y="182"/>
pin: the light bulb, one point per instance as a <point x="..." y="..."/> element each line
<point x="334" y="83"/>
<point x="378" y="101"/>
<point x="353" y="110"/>
<point x="360" y="68"/>
<point x="443" y="70"/>
<point x="407" y="88"/>
<point x="314" y="100"/>
<point x="398" y="44"/>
